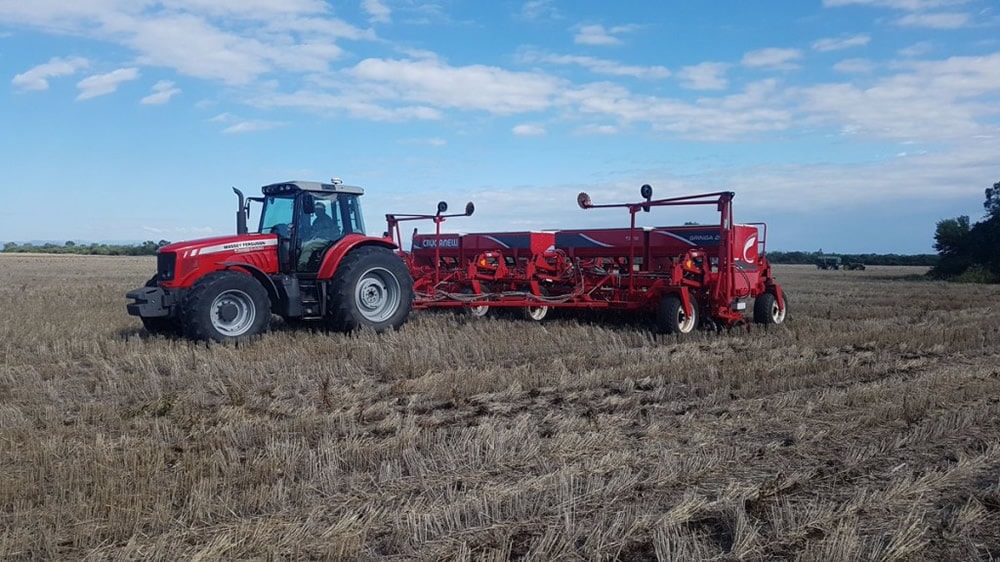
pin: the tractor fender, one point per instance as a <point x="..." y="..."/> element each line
<point x="258" y="274"/>
<point x="346" y="244"/>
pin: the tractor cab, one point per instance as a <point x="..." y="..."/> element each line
<point x="309" y="218"/>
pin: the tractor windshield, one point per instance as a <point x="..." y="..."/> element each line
<point x="276" y="214"/>
<point x="338" y="214"/>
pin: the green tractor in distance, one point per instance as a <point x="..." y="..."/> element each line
<point x="854" y="266"/>
<point x="828" y="262"/>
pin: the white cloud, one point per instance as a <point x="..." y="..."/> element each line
<point x="772" y="58"/>
<point x="908" y="5"/>
<point x="238" y="125"/>
<point x="836" y="44"/>
<point x="37" y="77"/>
<point x="760" y="107"/>
<point x="251" y="126"/>
<point x="598" y="130"/>
<point x="472" y="87"/>
<point x="103" y="84"/>
<point x="528" y="130"/>
<point x="433" y="141"/>
<point x="162" y="92"/>
<point x="599" y="35"/>
<point x="935" y="101"/>
<point x="937" y="20"/>
<point x="599" y="66"/>
<point x="855" y="66"/>
<point x="377" y="10"/>
<point x="356" y="103"/>
<point x="235" y="41"/>
<point x="249" y="9"/>
<point x="917" y="49"/>
<point x="704" y="76"/>
<point x="539" y="9"/>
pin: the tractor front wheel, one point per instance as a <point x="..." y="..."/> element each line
<point x="765" y="309"/>
<point x="670" y="316"/>
<point x="372" y="288"/>
<point x="225" y="306"/>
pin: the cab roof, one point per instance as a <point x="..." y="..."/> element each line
<point x="299" y="185"/>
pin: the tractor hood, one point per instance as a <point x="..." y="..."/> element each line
<point x="222" y="244"/>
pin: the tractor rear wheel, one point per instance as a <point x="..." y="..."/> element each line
<point x="371" y="288"/>
<point x="225" y="306"/>
<point x="765" y="309"/>
<point x="670" y="316"/>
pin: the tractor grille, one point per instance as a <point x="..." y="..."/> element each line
<point x="165" y="265"/>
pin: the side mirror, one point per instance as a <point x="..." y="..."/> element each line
<point x="469" y="209"/>
<point x="442" y="207"/>
<point x="583" y="200"/>
<point x="308" y="202"/>
<point x="646" y="191"/>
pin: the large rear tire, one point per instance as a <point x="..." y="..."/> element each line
<point x="225" y="306"/>
<point x="765" y="309"/>
<point x="372" y="288"/>
<point x="670" y="317"/>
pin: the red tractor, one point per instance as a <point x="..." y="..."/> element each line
<point x="309" y="259"/>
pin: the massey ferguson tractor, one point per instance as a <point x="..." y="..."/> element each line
<point x="309" y="259"/>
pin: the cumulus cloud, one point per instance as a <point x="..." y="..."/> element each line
<point x="377" y="11"/>
<point x="251" y="126"/>
<point x="948" y="96"/>
<point x="704" y="76"/>
<point x="599" y="35"/>
<point x="772" y="59"/>
<point x="598" y="65"/>
<point x="234" y="41"/>
<point x="237" y="125"/>
<point x="528" y="130"/>
<point x="539" y="9"/>
<point x="37" y="77"/>
<point x="839" y="43"/>
<point x="917" y="49"/>
<point x="162" y="92"/>
<point x="910" y="5"/>
<point x="855" y="66"/>
<point x="103" y="84"/>
<point x="471" y="87"/>
<point x="598" y="130"/>
<point x="936" y="20"/>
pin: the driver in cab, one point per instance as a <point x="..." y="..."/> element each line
<point x="319" y="234"/>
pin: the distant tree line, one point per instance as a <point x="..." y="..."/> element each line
<point x="147" y="248"/>
<point x="809" y="258"/>
<point x="970" y="252"/>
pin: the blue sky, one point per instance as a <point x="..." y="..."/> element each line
<point x="846" y="125"/>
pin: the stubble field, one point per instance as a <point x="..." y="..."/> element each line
<point x="865" y="428"/>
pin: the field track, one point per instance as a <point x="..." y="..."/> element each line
<point x="865" y="428"/>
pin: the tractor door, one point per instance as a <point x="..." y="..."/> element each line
<point x="326" y="218"/>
